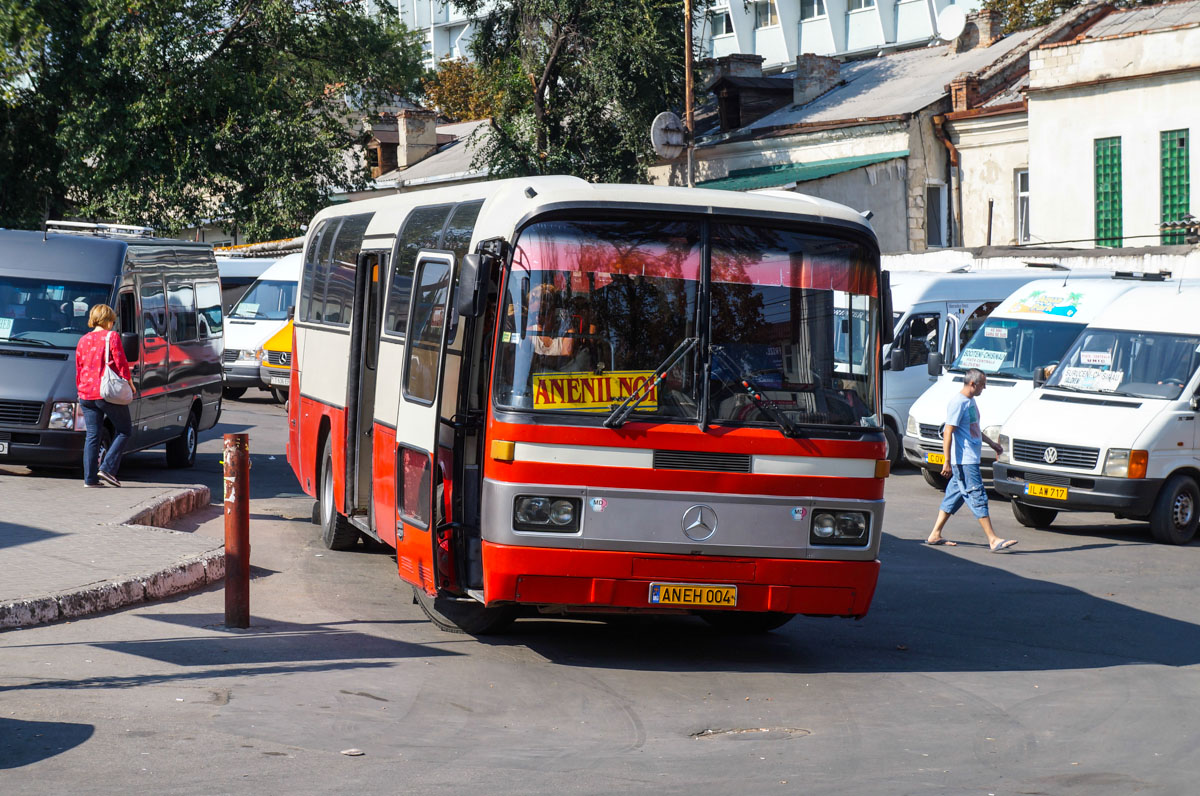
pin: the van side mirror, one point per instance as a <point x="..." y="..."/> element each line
<point x="935" y="364"/>
<point x="1039" y="377"/>
<point x="473" y="284"/>
<point x="1195" y="403"/>
<point x="129" y="344"/>
<point x="291" y="313"/>
<point x="897" y="359"/>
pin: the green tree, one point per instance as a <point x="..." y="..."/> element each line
<point x="174" y="112"/>
<point x="577" y="83"/>
<point x="1022" y="14"/>
<point x="457" y="90"/>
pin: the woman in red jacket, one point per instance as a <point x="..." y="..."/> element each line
<point x="89" y="366"/>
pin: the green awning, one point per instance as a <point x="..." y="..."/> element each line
<point x="774" y="176"/>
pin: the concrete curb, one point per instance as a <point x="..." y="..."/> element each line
<point x="183" y="575"/>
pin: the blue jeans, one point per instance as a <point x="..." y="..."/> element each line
<point x="94" y="413"/>
<point x="966" y="486"/>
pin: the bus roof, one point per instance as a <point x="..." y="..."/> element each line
<point x="509" y="202"/>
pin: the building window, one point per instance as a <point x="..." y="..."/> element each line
<point x="722" y="25"/>
<point x="935" y="215"/>
<point x="812" y="8"/>
<point x="854" y="5"/>
<point x="1022" y="193"/>
<point x="1108" y="191"/>
<point x="1176" y="181"/>
<point x="765" y="14"/>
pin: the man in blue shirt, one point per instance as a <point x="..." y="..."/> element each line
<point x="962" y="441"/>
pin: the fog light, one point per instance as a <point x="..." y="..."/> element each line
<point x="62" y="415"/>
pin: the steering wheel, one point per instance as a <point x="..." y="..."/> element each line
<point x="67" y="329"/>
<point x="1175" y="382"/>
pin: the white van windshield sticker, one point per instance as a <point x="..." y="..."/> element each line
<point x="1039" y="301"/>
<point x="987" y="361"/>
<point x="1095" y="357"/>
<point x="247" y="309"/>
<point x="1092" y="379"/>
<point x="996" y="331"/>
<point x="957" y="308"/>
<point x="6" y="325"/>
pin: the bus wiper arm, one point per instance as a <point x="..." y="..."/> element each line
<point x="619" y="415"/>
<point x="765" y="405"/>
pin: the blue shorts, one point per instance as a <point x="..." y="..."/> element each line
<point x="966" y="486"/>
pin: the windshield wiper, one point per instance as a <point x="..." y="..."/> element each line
<point x="30" y="341"/>
<point x="619" y="415"/>
<point x="765" y="405"/>
<point x="1004" y="374"/>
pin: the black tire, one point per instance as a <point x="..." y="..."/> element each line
<point x="1033" y="516"/>
<point x="181" y="451"/>
<point x="337" y="533"/>
<point x="1176" y="511"/>
<point x="895" y="447"/>
<point x="279" y="395"/>
<point x="935" y="480"/>
<point x="462" y="616"/>
<point x="233" y="393"/>
<point x="746" y="622"/>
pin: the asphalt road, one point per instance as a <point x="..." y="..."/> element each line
<point x="1066" y="667"/>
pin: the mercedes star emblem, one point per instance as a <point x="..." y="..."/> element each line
<point x="1050" y="455"/>
<point x="699" y="522"/>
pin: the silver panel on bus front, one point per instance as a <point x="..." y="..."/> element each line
<point x="654" y="522"/>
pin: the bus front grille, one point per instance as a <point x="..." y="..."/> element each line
<point x="693" y="460"/>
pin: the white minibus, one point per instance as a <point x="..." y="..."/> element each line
<point x="1114" y="428"/>
<point x="1032" y="329"/>
<point x="257" y="316"/>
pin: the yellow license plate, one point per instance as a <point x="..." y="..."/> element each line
<point x="1043" y="491"/>
<point x="935" y="458"/>
<point x="692" y="594"/>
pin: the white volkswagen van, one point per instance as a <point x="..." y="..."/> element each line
<point x="257" y="316"/>
<point x="935" y="313"/>
<point x="1114" y="429"/>
<point x="1032" y="329"/>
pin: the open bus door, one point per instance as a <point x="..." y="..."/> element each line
<point x="418" y="420"/>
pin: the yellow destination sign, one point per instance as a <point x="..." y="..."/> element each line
<point x="591" y="390"/>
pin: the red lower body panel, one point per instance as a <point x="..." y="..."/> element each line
<point x="604" y="579"/>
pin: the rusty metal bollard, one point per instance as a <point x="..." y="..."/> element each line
<point x="237" y="530"/>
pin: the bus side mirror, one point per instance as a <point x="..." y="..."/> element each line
<point x="935" y="364"/>
<point x="129" y="344"/>
<point x="292" y="312"/>
<point x="896" y="360"/>
<point x="472" y="284"/>
<point x="1039" y="377"/>
<point x="888" y="319"/>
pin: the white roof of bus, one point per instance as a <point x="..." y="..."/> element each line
<point x="1074" y="299"/>
<point x="242" y="267"/>
<point x="285" y="269"/>
<point x="913" y="287"/>
<point x="1166" y="307"/>
<point x="507" y="202"/>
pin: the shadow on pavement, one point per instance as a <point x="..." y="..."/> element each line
<point x="26" y="742"/>
<point x="13" y="534"/>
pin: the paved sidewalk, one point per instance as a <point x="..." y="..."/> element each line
<point x="67" y="551"/>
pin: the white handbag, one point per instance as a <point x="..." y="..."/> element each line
<point x="113" y="388"/>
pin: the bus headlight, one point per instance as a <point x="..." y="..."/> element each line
<point x="1006" y="444"/>
<point x="62" y="415"/>
<point x="541" y="513"/>
<point x="839" y="527"/>
<point x="1125" y="463"/>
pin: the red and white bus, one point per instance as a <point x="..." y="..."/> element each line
<point x="556" y="397"/>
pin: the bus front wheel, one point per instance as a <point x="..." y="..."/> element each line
<point x="746" y="621"/>
<point x="465" y="616"/>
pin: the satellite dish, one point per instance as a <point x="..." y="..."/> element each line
<point x="667" y="136"/>
<point x="950" y="23"/>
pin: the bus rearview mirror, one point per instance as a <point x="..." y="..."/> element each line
<point x="472" y="285"/>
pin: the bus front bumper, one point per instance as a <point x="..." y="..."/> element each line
<point x="596" y="580"/>
<point x="1129" y="497"/>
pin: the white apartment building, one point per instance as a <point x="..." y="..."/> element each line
<point x="446" y="30"/>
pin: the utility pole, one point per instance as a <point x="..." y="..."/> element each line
<point x="689" y="118"/>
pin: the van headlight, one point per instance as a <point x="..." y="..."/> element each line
<point x="246" y="355"/>
<point x="1006" y="444"/>
<point x="992" y="432"/>
<point x="62" y="415"/>
<point x="545" y="513"/>
<point x="912" y="429"/>
<point x="830" y="526"/>
<point x="1125" y="463"/>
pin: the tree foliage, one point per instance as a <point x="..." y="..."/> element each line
<point x="457" y="90"/>
<point x="1022" y="14"/>
<point x="174" y="112"/>
<point x="577" y="83"/>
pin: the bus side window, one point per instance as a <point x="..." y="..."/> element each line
<point x="316" y="270"/>
<point x="343" y="259"/>
<point x="422" y="230"/>
<point x="413" y="490"/>
<point x="429" y="317"/>
<point x="181" y="301"/>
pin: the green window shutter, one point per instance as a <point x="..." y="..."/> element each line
<point x="1108" y="191"/>
<point x="1176" y="181"/>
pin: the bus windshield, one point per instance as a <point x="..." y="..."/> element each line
<point x="594" y="309"/>
<point x="46" y="312"/>
<point x="1120" y="362"/>
<point x="267" y="301"/>
<point x="1014" y="349"/>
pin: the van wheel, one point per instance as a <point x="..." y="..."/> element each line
<point x="935" y="480"/>
<point x="233" y="393"/>
<point x="465" y="616"/>
<point x="1033" y="516"/>
<point x="746" y="622"/>
<point x="336" y="531"/>
<point x="895" y="448"/>
<point x="181" y="451"/>
<point x="279" y="395"/>
<point x="1174" y="518"/>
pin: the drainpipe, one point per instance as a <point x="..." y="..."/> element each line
<point x="939" y="129"/>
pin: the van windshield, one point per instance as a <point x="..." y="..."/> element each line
<point x="1122" y="362"/>
<point x="46" y="312"/>
<point x="267" y="301"/>
<point x="1016" y="348"/>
